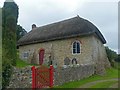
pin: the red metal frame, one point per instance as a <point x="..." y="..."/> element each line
<point x="51" y="76"/>
<point x="42" y="77"/>
<point x="33" y="77"/>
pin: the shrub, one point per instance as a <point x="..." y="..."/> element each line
<point x="112" y="55"/>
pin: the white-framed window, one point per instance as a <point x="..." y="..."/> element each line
<point x="76" y="47"/>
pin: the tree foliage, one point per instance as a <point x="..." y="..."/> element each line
<point x="20" y="32"/>
<point x="9" y="53"/>
<point x="118" y="58"/>
<point x="112" y="55"/>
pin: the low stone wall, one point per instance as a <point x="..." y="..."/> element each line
<point x="22" y="77"/>
<point x="63" y="75"/>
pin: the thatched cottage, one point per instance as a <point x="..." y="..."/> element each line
<point x="71" y="41"/>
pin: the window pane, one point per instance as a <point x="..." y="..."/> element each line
<point x="74" y="45"/>
<point x="78" y="48"/>
<point x="74" y="50"/>
<point x="25" y="55"/>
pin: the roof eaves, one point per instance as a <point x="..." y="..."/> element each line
<point x="58" y="38"/>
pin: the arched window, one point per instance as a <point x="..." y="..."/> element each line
<point x="76" y="47"/>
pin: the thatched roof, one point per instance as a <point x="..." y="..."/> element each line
<point x="69" y="28"/>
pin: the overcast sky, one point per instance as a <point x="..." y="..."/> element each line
<point x="103" y="14"/>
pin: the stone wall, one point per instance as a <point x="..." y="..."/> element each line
<point x="99" y="56"/>
<point x="63" y="75"/>
<point x="21" y="77"/>
<point x="59" y="50"/>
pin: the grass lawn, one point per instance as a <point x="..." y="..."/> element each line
<point x="104" y="84"/>
<point x="111" y="73"/>
<point x="20" y="63"/>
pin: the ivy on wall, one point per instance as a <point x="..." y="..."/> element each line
<point x="9" y="53"/>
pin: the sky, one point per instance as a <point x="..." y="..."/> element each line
<point x="102" y="13"/>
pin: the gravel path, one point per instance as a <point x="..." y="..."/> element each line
<point x="87" y="85"/>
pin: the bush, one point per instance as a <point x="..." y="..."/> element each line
<point x="6" y="74"/>
<point x="118" y="58"/>
<point x="112" y="55"/>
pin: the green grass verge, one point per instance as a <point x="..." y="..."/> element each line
<point x="105" y="84"/>
<point x="21" y="63"/>
<point x="111" y="73"/>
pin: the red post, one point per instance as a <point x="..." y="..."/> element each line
<point x="33" y="77"/>
<point x="51" y="76"/>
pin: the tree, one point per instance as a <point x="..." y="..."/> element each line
<point x="9" y="52"/>
<point x="118" y="58"/>
<point x="20" y="32"/>
<point x="112" y="55"/>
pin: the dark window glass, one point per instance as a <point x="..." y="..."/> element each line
<point x="74" y="45"/>
<point x="78" y="47"/>
<point x="74" y="50"/>
<point x="25" y="54"/>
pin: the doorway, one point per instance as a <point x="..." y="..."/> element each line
<point x="41" y="56"/>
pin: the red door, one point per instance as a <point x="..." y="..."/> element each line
<point x="41" y="56"/>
